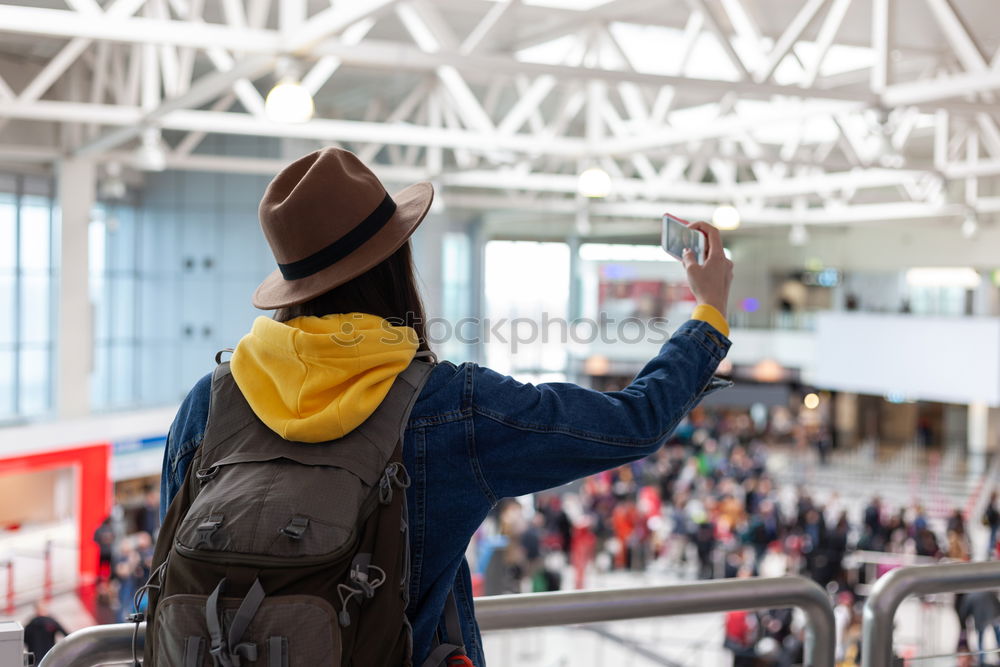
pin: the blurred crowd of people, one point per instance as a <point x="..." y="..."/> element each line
<point x="706" y="507"/>
<point x="125" y="542"/>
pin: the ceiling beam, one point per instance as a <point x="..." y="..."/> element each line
<point x="206" y="89"/>
<point x="824" y="40"/>
<point x="136" y="30"/>
<point x="881" y="28"/>
<point x="402" y="134"/>
<point x="942" y="88"/>
<point x="331" y="21"/>
<point x="720" y="127"/>
<point x="376" y="54"/>
<point x="395" y="57"/>
<point x="702" y="7"/>
<point x="652" y="211"/>
<point x="958" y="35"/>
<point x="788" y="38"/>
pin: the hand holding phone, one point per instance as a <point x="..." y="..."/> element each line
<point x="677" y="235"/>
<point x="699" y="246"/>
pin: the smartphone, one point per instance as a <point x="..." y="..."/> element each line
<point x="676" y="236"/>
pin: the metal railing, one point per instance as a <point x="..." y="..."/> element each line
<point x="112" y="644"/>
<point x="895" y="586"/>
<point x="96" y="645"/>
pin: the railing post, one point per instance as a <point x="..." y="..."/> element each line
<point x="96" y="645"/>
<point x="47" y="564"/>
<point x="897" y="585"/>
<point x="10" y="586"/>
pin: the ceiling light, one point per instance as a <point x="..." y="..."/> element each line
<point x="112" y="187"/>
<point x="726" y="217"/>
<point x="798" y="235"/>
<point x="594" y="183"/>
<point x="289" y="102"/>
<point x="596" y="365"/>
<point x="970" y="226"/>
<point x="767" y="370"/>
<point x="150" y="155"/>
<point x="811" y="401"/>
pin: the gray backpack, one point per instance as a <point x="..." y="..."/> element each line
<point x="287" y="554"/>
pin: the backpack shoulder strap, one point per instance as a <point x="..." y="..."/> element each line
<point x="455" y="644"/>
<point x="228" y="411"/>
<point x="415" y="376"/>
<point x="385" y="427"/>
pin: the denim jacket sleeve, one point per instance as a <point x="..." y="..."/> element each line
<point x="530" y="438"/>
<point x="185" y="435"/>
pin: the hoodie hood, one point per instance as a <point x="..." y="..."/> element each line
<point x="314" y="379"/>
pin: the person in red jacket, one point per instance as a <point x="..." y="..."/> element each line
<point x="741" y="637"/>
<point x="742" y="631"/>
<point x="582" y="546"/>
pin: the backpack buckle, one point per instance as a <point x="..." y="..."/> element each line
<point x="246" y="650"/>
<point x="216" y="651"/>
<point x="360" y="579"/>
<point x="296" y="527"/>
<point x="207" y="528"/>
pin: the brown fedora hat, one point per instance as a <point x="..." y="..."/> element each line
<point x="328" y="219"/>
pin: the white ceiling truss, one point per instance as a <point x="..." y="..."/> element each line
<point x="503" y="103"/>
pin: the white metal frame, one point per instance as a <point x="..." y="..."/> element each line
<point x="495" y="130"/>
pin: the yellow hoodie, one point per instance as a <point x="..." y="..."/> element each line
<point x="313" y="379"/>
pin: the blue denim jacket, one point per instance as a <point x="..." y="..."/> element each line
<point x="476" y="436"/>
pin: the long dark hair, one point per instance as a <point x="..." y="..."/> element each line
<point x="388" y="290"/>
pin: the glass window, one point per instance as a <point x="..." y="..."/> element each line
<point x="122" y="297"/>
<point x="96" y="247"/>
<point x="7" y="317"/>
<point x="456" y="295"/>
<point x="35" y="315"/>
<point x="533" y="306"/>
<point x="8" y="232"/>
<point x="99" y="378"/>
<point x="35" y="374"/>
<point x="36" y="233"/>
<point x="455" y="274"/>
<point x="159" y="306"/>
<point x="99" y="298"/>
<point x="120" y="224"/>
<point x="158" y="369"/>
<point x="123" y="375"/>
<point x="6" y="382"/>
<point x="25" y="297"/>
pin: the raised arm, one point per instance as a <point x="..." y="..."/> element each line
<point x="533" y="437"/>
